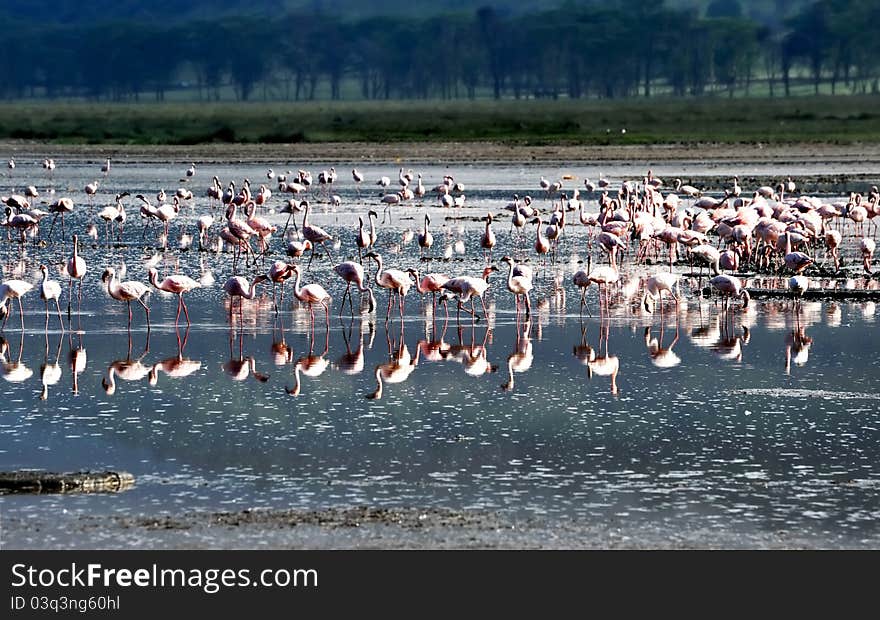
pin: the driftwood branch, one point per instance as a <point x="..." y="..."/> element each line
<point x="77" y="482"/>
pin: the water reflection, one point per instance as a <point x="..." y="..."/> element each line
<point x="310" y="365"/>
<point x="50" y="372"/>
<point x="240" y="367"/>
<point x="797" y="348"/>
<point x="178" y="366"/>
<point x="399" y="367"/>
<point x="604" y="364"/>
<point x="13" y="371"/>
<point x="77" y="358"/>
<point x="352" y="362"/>
<point x="662" y="356"/>
<point x="520" y="360"/>
<point x="127" y="369"/>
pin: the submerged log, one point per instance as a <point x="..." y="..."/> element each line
<point x="77" y="482"/>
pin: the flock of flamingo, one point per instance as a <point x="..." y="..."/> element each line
<point x="768" y="230"/>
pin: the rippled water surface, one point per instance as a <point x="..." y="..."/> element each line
<point x="754" y="421"/>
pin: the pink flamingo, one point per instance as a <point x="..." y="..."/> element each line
<point x="13" y="289"/>
<point x="177" y="284"/>
<point x="866" y="247"/>
<point x="467" y="287"/>
<point x="730" y="286"/>
<point x="430" y="283"/>
<point x="353" y="273"/>
<point x="50" y="289"/>
<point x="519" y="285"/>
<point x="126" y="291"/>
<point x="236" y="286"/>
<point x="395" y="280"/>
<point x="311" y="294"/>
<point x="76" y="270"/>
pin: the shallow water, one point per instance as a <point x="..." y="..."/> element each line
<point x="754" y="421"/>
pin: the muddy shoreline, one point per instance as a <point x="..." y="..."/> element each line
<point x="381" y="528"/>
<point x="451" y="152"/>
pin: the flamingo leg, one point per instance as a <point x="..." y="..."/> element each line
<point x="147" y="312"/>
<point x="58" y="307"/>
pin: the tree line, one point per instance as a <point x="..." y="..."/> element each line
<point x="617" y="49"/>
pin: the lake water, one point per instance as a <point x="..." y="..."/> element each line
<point x="748" y="422"/>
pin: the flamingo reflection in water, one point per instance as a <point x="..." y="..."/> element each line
<point x="605" y="365"/>
<point x="398" y="369"/>
<point x="50" y="372"/>
<point x="178" y="366"/>
<point x="729" y="344"/>
<point x="473" y="356"/>
<point x="521" y="358"/>
<point x="77" y="358"/>
<point x="662" y="357"/>
<point x="282" y="353"/>
<point x="310" y="365"/>
<point x="436" y="349"/>
<point x="797" y="348"/>
<point x="239" y="368"/>
<point x="13" y="371"/>
<point x="127" y="369"/>
<point x="352" y="362"/>
<point x="582" y="350"/>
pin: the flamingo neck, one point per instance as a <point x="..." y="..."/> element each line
<point x="378" y="270"/>
<point x="297" y="289"/>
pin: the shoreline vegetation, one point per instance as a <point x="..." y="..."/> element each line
<point x="842" y="120"/>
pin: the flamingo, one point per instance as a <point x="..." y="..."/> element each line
<point x="798" y="285"/>
<point x="296" y="249"/>
<point x="603" y="277"/>
<point x="126" y="291"/>
<point x="430" y="283"/>
<point x="395" y="280"/>
<point x="49" y="290"/>
<point x="60" y="207"/>
<point x="91" y="189"/>
<point x="353" y="273"/>
<point x="279" y="272"/>
<point x="581" y="279"/>
<point x="388" y="200"/>
<point x="311" y="294"/>
<point x="314" y="234"/>
<point x="358" y="177"/>
<point x="730" y="286"/>
<point x="12" y="289"/>
<point x="191" y="171"/>
<point x="467" y="287"/>
<point x="76" y="270"/>
<point x="796" y="261"/>
<point x="105" y="167"/>
<point x="654" y="287"/>
<point x="177" y="284"/>
<point x="237" y="286"/>
<point x="866" y="248"/>
<point x="366" y="239"/>
<point x="519" y="285"/>
<point x="425" y="238"/>
<point x="487" y="241"/>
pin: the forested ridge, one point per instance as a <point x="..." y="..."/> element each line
<point x="276" y="50"/>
